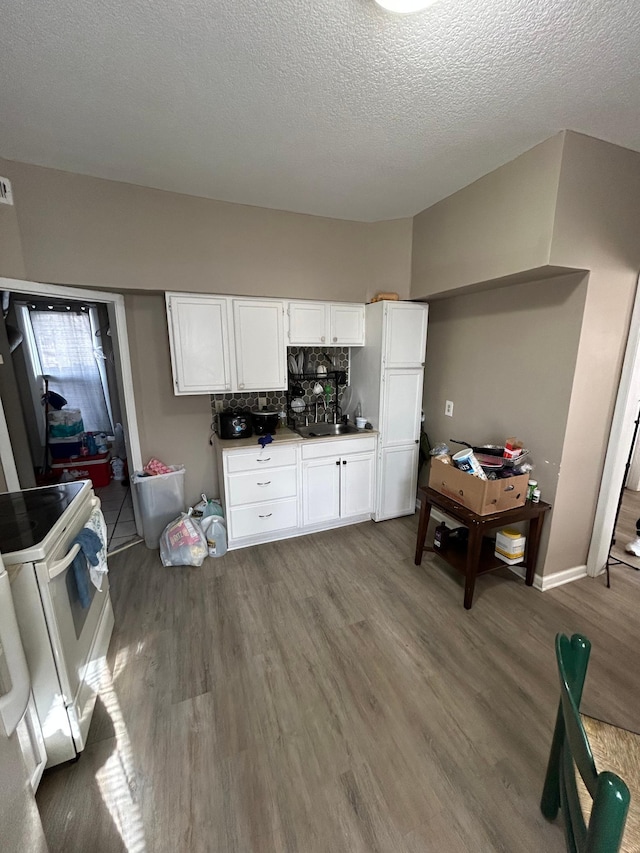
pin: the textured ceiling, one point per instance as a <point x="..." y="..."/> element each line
<point x="332" y="107"/>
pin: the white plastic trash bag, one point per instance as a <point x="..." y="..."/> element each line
<point x="215" y="533"/>
<point x="183" y="543"/>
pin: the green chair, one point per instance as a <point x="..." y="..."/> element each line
<point x="602" y="830"/>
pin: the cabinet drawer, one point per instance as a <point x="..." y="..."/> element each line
<point x="337" y="447"/>
<point x="254" y="486"/>
<point x="257" y="460"/>
<point x="263" y="518"/>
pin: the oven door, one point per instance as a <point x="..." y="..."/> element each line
<point x="79" y="635"/>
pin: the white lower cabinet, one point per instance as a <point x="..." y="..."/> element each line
<point x="260" y="492"/>
<point x="398" y="472"/>
<point x="321" y="490"/>
<point x="338" y="481"/>
<point x="357" y="484"/>
<point x="262" y="519"/>
<point x="287" y="490"/>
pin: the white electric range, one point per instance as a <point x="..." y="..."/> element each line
<point x="65" y="643"/>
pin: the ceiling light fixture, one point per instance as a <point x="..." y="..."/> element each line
<point x="404" y="7"/>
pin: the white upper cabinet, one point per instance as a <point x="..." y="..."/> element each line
<point x="308" y="323"/>
<point x="347" y="325"/>
<point x="199" y="343"/>
<point x="260" y="346"/>
<point x="405" y="334"/>
<point x="326" y="324"/>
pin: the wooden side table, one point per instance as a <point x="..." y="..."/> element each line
<point x="479" y="556"/>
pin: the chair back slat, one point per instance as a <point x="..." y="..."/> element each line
<point x="601" y="831"/>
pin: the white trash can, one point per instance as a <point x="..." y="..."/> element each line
<point x="161" y="499"/>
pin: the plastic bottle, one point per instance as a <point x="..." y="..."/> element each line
<point x="118" y="443"/>
<point x="91" y="444"/>
<point x="215" y="532"/>
<point x="66" y="476"/>
<point x="532" y="486"/>
<point x="117" y="467"/>
<point x="358" y="410"/>
<point x="536" y="496"/>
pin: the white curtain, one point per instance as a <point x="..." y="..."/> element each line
<point x="66" y="347"/>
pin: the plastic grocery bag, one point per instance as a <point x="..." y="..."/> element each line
<point x="207" y="507"/>
<point x="183" y="543"/>
<point x="215" y="532"/>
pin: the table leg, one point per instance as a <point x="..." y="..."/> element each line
<point x="473" y="559"/>
<point x="425" y="515"/>
<point x="535" y="532"/>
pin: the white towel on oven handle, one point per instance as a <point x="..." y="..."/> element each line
<point x="97" y="523"/>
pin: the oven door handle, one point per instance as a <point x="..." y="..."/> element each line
<point x="56" y="568"/>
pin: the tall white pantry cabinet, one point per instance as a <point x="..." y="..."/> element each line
<point x="387" y="376"/>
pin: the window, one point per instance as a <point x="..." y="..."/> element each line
<point x="66" y="349"/>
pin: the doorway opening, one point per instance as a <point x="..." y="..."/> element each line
<point x="618" y="500"/>
<point x="68" y="396"/>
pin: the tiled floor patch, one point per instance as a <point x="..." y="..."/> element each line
<point x="117" y="509"/>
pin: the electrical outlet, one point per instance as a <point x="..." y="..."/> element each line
<point x="219" y="405"/>
<point x="262" y="402"/>
<point x="448" y="408"/>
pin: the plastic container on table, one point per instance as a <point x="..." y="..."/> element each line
<point x="161" y="499"/>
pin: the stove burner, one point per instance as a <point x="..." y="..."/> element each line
<point x="26" y="517"/>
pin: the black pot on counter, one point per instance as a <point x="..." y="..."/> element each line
<point x="264" y="422"/>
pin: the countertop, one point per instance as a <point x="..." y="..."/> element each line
<point x="284" y="435"/>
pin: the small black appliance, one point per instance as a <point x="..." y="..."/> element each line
<point x="264" y="422"/>
<point x="234" y="423"/>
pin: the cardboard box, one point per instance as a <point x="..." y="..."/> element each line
<point x="480" y="496"/>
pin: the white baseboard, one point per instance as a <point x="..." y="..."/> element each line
<point x="540" y="582"/>
<point x="564" y="576"/>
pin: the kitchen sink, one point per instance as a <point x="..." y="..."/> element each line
<point x="324" y="430"/>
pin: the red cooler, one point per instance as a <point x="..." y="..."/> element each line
<point x="94" y="468"/>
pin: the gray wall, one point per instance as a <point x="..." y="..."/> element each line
<point x="88" y="231"/>
<point x="498" y="226"/>
<point x="506" y="358"/>
<point x="174" y="429"/>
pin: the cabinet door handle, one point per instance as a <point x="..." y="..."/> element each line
<point x="344" y="461"/>
<point x="417" y="441"/>
<point x="241" y="385"/>
<point x="337" y="461"/>
<point x="268" y="459"/>
<point x="322" y="339"/>
<point x="268" y="515"/>
<point x="268" y="482"/>
<point x="335" y="340"/>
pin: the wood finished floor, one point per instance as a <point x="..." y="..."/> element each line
<point x="626" y="529"/>
<point x="325" y="695"/>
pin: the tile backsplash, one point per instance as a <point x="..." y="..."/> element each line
<point x="279" y="399"/>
